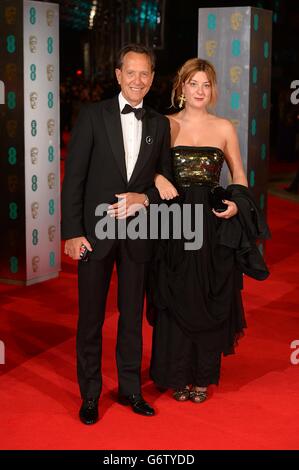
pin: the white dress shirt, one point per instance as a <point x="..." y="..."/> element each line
<point x="132" y="131"/>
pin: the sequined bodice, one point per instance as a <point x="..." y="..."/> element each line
<point x="197" y="165"/>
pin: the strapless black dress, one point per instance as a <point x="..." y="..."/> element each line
<point x="194" y="297"/>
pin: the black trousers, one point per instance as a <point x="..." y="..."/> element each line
<point x="93" y="281"/>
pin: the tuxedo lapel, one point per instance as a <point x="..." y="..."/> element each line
<point x="149" y="129"/>
<point x="114" y="130"/>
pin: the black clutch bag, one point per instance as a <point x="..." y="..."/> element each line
<point x="217" y="195"/>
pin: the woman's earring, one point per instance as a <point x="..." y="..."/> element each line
<point x="182" y="100"/>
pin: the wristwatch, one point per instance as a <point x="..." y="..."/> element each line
<point x="146" y="201"/>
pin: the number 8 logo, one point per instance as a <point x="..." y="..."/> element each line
<point x="32" y="18"/>
<point x="13" y="211"/>
<point x="33" y="128"/>
<point x="33" y="72"/>
<point x="50" y="99"/>
<point x="11" y="100"/>
<point x="51" y="153"/>
<point x="34" y="237"/>
<point x="51" y="207"/>
<point x="14" y="264"/>
<point x="34" y="183"/>
<point x="50" y="45"/>
<point x="12" y="155"/>
<point x="11" y="43"/>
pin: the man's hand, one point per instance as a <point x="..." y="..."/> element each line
<point x="230" y="211"/>
<point x="166" y="189"/>
<point x="128" y="204"/>
<point x="73" y="245"/>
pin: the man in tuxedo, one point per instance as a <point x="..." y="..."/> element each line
<point x="117" y="147"/>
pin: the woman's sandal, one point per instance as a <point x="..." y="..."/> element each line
<point x="198" y="396"/>
<point x="181" y="394"/>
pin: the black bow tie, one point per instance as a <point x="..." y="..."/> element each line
<point x="139" y="112"/>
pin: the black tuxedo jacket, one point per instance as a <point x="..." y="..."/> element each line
<point x="95" y="171"/>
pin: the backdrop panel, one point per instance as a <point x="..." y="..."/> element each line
<point x="30" y="154"/>
<point x="237" y="40"/>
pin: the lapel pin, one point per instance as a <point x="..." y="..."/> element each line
<point x="149" y="139"/>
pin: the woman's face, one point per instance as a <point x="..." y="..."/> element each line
<point x="197" y="90"/>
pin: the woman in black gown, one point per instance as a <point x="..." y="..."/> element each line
<point x="194" y="298"/>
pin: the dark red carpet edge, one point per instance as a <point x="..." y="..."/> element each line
<point x="254" y="407"/>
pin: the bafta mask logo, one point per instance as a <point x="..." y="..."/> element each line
<point x="10" y="14"/>
<point x="51" y="232"/>
<point x="33" y="100"/>
<point x="235" y="74"/>
<point x="12" y="182"/>
<point x="10" y="72"/>
<point x="50" y="72"/>
<point x="35" y="263"/>
<point x="50" y="17"/>
<point x="33" y="44"/>
<point x="235" y="123"/>
<point x="236" y="21"/>
<point x="211" y="48"/>
<point x="34" y="155"/>
<point x="51" y="180"/>
<point x="34" y="209"/>
<point x="11" y="128"/>
<point x="51" y="127"/>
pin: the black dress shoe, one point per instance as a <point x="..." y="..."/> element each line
<point x="89" y="413"/>
<point x="137" y="403"/>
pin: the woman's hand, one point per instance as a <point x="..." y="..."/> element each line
<point x="165" y="188"/>
<point x="230" y="211"/>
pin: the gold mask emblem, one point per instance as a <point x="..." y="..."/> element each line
<point x="235" y="73"/>
<point x="211" y="48"/>
<point x="236" y="21"/>
<point x="10" y="14"/>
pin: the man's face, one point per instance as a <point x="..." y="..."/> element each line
<point x="135" y="77"/>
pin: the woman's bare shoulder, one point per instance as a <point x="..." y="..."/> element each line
<point x="224" y="126"/>
<point x="222" y="123"/>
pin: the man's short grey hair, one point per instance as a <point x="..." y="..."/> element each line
<point x="139" y="49"/>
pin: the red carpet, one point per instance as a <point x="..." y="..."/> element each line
<point x="254" y="407"/>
